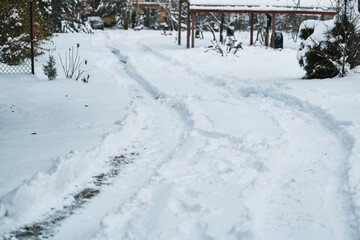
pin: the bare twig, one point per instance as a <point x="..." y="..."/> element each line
<point x="73" y="65"/>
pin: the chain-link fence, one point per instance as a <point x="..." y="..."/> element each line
<point x="16" y="34"/>
<point x="24" y="67"/>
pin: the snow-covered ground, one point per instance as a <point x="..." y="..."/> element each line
<point x="166" y="142"/>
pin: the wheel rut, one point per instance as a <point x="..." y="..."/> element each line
<point x="47" y="227"/>
<point x="285" y="109"/>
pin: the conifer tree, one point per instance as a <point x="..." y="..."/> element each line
<point x="67" y="16"/>
<point x="15" y="29"/>
<point x="338" y="50"/>
<point x="13" y="38"/>
<point x="50" y="69"/>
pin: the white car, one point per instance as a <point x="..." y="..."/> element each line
<point x="96" y="22"/>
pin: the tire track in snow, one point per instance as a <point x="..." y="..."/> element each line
<point x="134" y="211"/>
<point x="80" y="187"/>
<point x="279" y="100"/>
<point x="173" y="105"/>
<point x="167" y="100"/>
<point x="134" y="202"/>
<point x="177" y="104"/>
<point x="309" y="112"/>
<point x="47" y="227"/>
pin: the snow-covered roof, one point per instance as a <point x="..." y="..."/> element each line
<point x="264" y="5"/>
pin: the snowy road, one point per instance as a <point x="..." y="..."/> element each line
<point x="295" y="191"/>
<point x="218" y="154"/>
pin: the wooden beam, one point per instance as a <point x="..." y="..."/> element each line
<point x="273" y="30"/>
<point x="193" y="29"/>
<point x="264" y="11"/>
<point x="188" y="26"/>
<point x="179" y="23"/>
<point x="251" y="28"/>
<point x="267" y="30"/>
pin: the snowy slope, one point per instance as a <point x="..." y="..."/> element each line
<point x="209" y="147"/>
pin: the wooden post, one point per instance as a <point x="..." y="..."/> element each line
<point x="32" y="38"/>
<point x="322" y="17"/>
<point x="273" y="31"/>
<point x="179" y="23"/>
<point x="222" y="28"/>
<point x="188" y="26"/>
<point x="251" y="28"/>
<point x="266" y="37"/>
<point x="137" y="13"/>
<point x="193" y="29"/>
<point x="126" y="22"/>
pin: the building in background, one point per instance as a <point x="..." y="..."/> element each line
<point x="151" y="13"/>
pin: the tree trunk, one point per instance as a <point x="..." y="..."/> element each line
<point x="126" y="20"/>
<point x="222" y="28"/>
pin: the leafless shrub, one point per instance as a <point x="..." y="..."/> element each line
<point x="216" y="47"/>
<point x="230" y="47"/>
<point x="72" y="65"/>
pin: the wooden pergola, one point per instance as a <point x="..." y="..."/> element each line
<point x="251" y="7"/>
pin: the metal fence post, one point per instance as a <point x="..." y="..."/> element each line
<point x="32" y="37"/>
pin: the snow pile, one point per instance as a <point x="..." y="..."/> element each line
<point x="51" y="191"/>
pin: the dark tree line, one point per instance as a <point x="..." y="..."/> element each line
<point x="49" y="16"/>
<point x="15" y="28"/>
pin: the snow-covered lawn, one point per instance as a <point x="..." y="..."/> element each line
<point x="172" y="143"/>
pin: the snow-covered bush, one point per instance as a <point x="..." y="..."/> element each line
<point x="49" y="68"/>
<point x="75" y="27"/>
<point x="316" y="54"/>
<point x="331" y="48"/>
